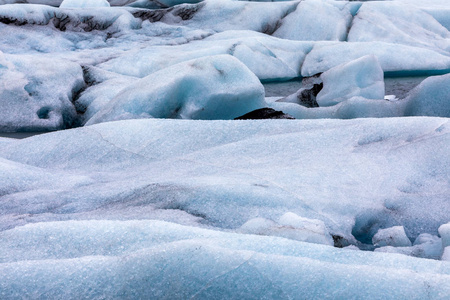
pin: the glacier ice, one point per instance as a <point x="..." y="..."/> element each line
<point x="393" y="58"/>
<point x="36" y="93"/>
<point x="362" y="77"/>
<point x="290" y="226"/>
<point x="430" y="98"/>
<point x="159" y="259"/>
<point x="212" y="87"/>
<point x="393" y="236"/>
<point x="166" y="208"/>
<point x="84" y="3"/>
<point x="395" y="23"/>
<point x="304" y="25"/>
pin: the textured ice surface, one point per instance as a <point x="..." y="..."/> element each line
<point x="304" y="24"/>
<point x="290" y="226"/>
<point x="393" y="236"/>
<point x="267" y="57"/>
<point x="444" y="231"/>
<point x="177" y="209"/>
<point x="213" y="87"/>
<point x="84" y="3"/>
<point x="362" y="77"/>
<point x="392" y="57"/>
<point x="399" y="24"/>
<point x="154" y="259"/>
<point x="228" y="172"/>
<point x="36" y="93"/>
<point x="430" y="98"/>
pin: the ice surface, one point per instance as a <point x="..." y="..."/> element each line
<point x="430" y="98"/>
<point x="446" y="254"/>
<point x="164" y="208"/>
<point x="228" y="172"/>
<point x="393" y="236"/>
<point x="399" y="24"/>
<point x="444" y="231"/>
<point x="392" y="57"/>
<point x="213" y="87"/>
<point x="304" y="24"/>
<point x="362" y="77"/>
<point x="290" y="226"/>
<point x="84" y="3"/>
<point x="36" y="92"/>
<point x="141" y="256"/>
<point x="425" y="246"/>
<point x="269" y="58"/>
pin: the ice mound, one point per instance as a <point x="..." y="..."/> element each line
<point x="225" y="173"/>
<point x="135" y="259"/>
<point x="36" y="92"/>
<point x="396" y="23"/>
<point x="394" y="58"/>
<point x="430" y="98"/>
<point x="223" y="15"/>
<point x="425" y="246"/>
<point x="268" y="57"/>
<point x="213" y="87"/>
<point x="84" y="3"/>
<point x="362" y="77"/>
<point x="304" y="24"/>
<point x="393" y="236"/>
<point x="444" y="231"/>
<point x="290" y="226"/>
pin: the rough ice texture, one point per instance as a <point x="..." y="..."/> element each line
<point x="393" y="236"/>
<point x="444" y="231"/>
<point x="84" y="3"/>
<point x="446" y="254"/>
<point x="430" y="98"/>
<point x="362" y="77"/>
<point x="392" y="57"/>
<point x="228" y="172"/>
<point x="290" y="226"/>
<point x="213" y="87"/>
<point x="398" y="24"/>
<point x="36" y="92"/>
<point x="304" y="24"/>
<point x="141" y="256"/>
<point x="425" y="246"/>
<point x="269" y="58"/>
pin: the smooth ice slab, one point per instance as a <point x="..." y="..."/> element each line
<point x="430" y="98"/>
<point x="362" y="77"/>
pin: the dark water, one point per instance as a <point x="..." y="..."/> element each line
<point x="19" y="135"/>
<point x="398" y="86"/>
